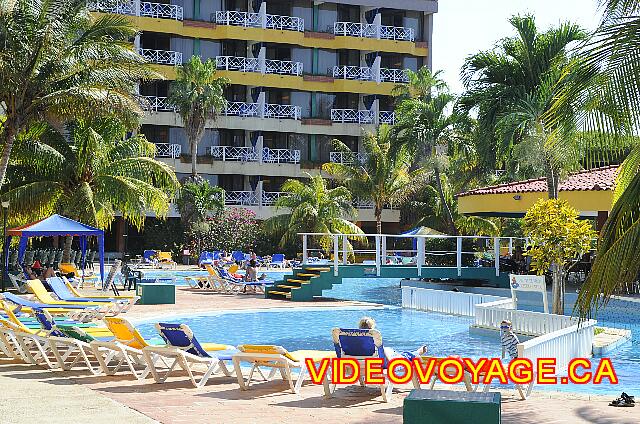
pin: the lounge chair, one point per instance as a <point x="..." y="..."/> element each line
<point x="183" y="350"/>
<point x="61" y="290"/>
<point x="206" y="258"/>
<point x="166" y="258"/>
<point x="125" y="350"/>
<point x="20" y="284"/>
<point x="277" y="261"/>
<point x="278" y="359"/>
<point x="76" y="293"/>
<point x="235" y="285"/>
<point x="82" y="313"/>
<point x="69" y="268"/>
<point x="30" y="346"/>
<point x="67" y="350"/>
<point x="361" y="344"/>
<point x="41" y="293"/>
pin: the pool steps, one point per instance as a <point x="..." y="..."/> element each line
<point x="303" y="285"/>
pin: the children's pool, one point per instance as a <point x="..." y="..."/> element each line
<point x="310" y="328"/>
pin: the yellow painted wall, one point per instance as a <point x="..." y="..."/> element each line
<point x="293" y="82"/>
<point x="583" y="201"/>
<point x="230" y="32"/>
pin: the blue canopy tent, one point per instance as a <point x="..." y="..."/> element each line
<point x="422" y="231"/>
<point x="56" y="225"/>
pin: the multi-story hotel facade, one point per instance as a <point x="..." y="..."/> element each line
<point x="301" y="72"/>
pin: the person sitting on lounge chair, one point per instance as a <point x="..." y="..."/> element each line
<point x="368" y="323"/>
<point x="38" y="274"/>
<point x="251" y="271"/>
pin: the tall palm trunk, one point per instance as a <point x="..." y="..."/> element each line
<point x="194" y="159"/>
<point x="10" y="136"/>
<point x="557" y="289"/>
<point x="66" y="252"/>
<point x="553" y="181"/>
<point x="447" y="211"/>
<point x="378" y="213"/>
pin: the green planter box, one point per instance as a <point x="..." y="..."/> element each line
<point x="451" y="407"/>
<point x="156" y="293"/>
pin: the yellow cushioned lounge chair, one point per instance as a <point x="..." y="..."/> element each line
<point x="278" y="359"/>
<point x="41" y="293"/>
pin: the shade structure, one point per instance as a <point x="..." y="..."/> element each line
<point x="423" y="231"/>
<point x="56" y="225"/>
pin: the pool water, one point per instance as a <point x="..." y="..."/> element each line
<point x="402" y="329"/>
<point x="180" y="276"/>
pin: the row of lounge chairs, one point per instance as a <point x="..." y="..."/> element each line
<point x="119" y="347"/>
<point x="277" y="260"/>
<point x="221" y="280"/>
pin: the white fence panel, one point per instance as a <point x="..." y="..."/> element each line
<point x="447" y="302"/>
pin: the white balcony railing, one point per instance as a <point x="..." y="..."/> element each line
<point x="231" y="153"/>
<point x="356" y="29"/>
<point x="362" y="116"/>
<point x="157" y="104"/>
<point x="280" y="155"/>
<point x="151" y="10"/>
<point x="250" y="154"/>
<point x="240" y="198"/>
<point x="269" y="198"/>
<point x="166" y="150"/>
<point x="255" y="20"/>
<point x="250" y="64"/>
<point x="362" y="73"/>
<point x="347" y="158"/>
<point x="242" y="64"/>
<point x="162" y="57"/>
<point x="387" y="117"/>
<point x="393" y="75"/>
<point x="271" y="110"/>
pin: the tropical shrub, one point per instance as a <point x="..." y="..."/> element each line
<point x="557" y="240"/>
<point x="231" y="229"/>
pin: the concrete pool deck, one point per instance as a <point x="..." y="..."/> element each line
<point x="77" y="396"/>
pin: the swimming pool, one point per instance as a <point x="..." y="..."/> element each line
<point x="181" y="275"/>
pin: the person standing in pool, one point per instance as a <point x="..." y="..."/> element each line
<point x="368" y="323"/>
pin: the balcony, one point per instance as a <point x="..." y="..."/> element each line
<point x="347" y="158"/>
<point x="365" y="73"/>
<point x="269" y="110"/>
<point x="251" y="198"/>
<point x="344" y="116"/>
<point x="166" y="150"/>
<point x="157" y="104"/>
<point x="257" y="20"/>
<point x="265" y="66"/>
<point x="251" y="154"/>
<point x="383" y="32"/>
<point x="161" y="57"/>
<point x="150" y="10"/>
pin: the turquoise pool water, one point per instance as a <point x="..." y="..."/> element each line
<point x="181" y="275"/>
<point x="310" y="328"/>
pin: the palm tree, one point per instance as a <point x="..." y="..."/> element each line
<point x="497" y="80"/>
<point x="58" y="63"/>
<point x="608" y="74"/>
<point x="88" y="179"/>
<point x="198" y="95"/>
<point x="313" y="207"/>
<point x="195" y="201"/>
<point x="425" y="127"/>
<point x="382" y="177"/>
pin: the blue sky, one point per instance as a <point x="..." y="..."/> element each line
<point x="464" y="27"/>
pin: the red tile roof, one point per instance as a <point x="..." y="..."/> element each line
<point x="597" y="179"/>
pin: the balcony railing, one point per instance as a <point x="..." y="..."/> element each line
<point x="361" y="116"/>
<point x="240" y="198"/>
<point x="250" y="154"/>
<point x="151" y="10"/>
<point x="387" y="117"/>
<point x="347" y="158"/>
<point x="270" y="197"/>
<point x="352" y="116"/>
<point x="162" y="57"/>
<point x="231" y="153"/>
<point x="362" y="73"/>
<point x="157" y="104"/>
<point x="393" y="75"/>
<point x="250" y="64"/>
<point x="271" y="110"/>
<point x="255" y="20"/>
<point x="280" y="155"/>
<point x="365" y="73"/>
<point x="166" y="150"/>
<point x="356" y="29"/>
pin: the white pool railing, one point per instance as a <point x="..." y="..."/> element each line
<point x="447" y="302"/>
